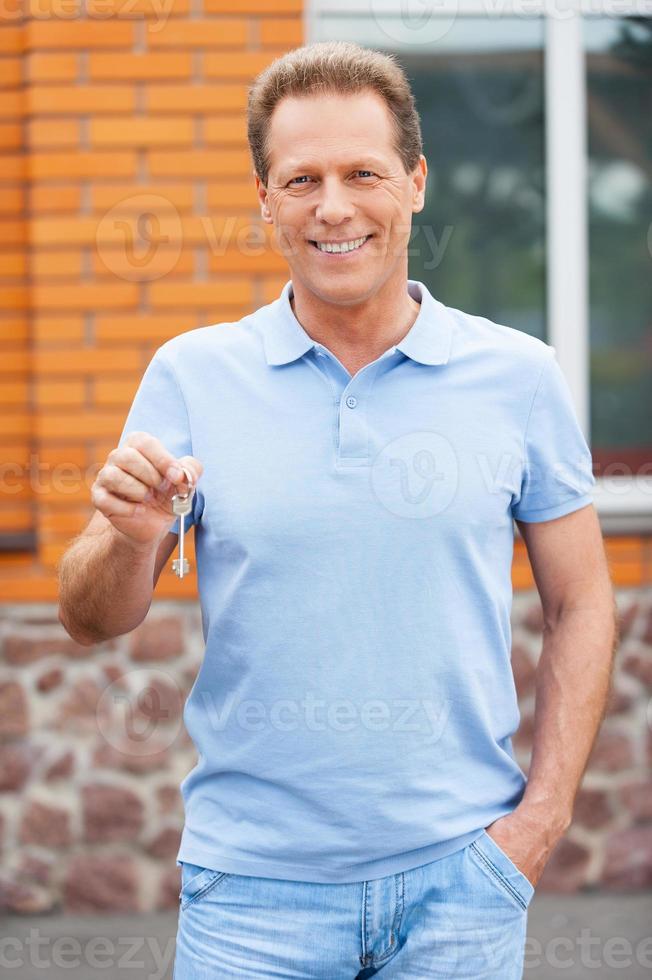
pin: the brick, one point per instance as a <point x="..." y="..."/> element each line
<point x="165" y="261"/>
<point x="85" y="296"/>
<point x="44" y="198"/>
<point x="232" y="194"/>
<point x="83" y="163"/>
<point x="116" y="131"/>
<point x="13" y="393"/>
<point x="43" y="133"/>
<point x="60" y="265"/>
<point x="200" y="294"/>
<point x="121" y="327"/>
<point x="14" y="361"/>
<point x="240" y="261"/>
<point x="140" y="757"/>
<point x="150" y="65"/>
<point x="195" y="99"/>
<point x="157" y="639"/>
<point x="18" y="425"/>
<point x="139" y="10"/>
<point x="86" y="425"/>
<point x="62" y="768"/>
<point x="639" y="664"/>
<point x="13" y="265"/>
<point x="223" y="33"/>
<point x="164" y="844"/>
<point x="612" y="752"/>
<point x="238" y="64"/>
<point x="10" y="72"/>
<point x="101" y="883"/>
<point x="49" y="394"/>
<point x="78" y="34"/>
<point x="13" y="332"/>
<point x="13" y="166"/>
<point x="19" y="651"/>
<point x="67" y="99"/>
<point x="41" y="66"/>
<point x="12" y="39"/>
<point x="110" y="813"/>
<point x="14" y="103"/>
<point x="225" y="130"/>
<point x="58" y="329"/>
<point x="17" y="761"/>
<point x="49" y="680"/>
<point x="199" y="163"/>
<point x="271" y="287"/>
<point x="12" y="199"/>
<point x="14" y="713"/>
<point x="11" y="135"/>
<point x="105" y="196"/>
<point x="282" y="32"/>
<point x="13" y="233"/>
<point x="47" y="826"/>
<point x="115" y="391"/>
<point x="16" y="518"/>
<point x="253" y="6"/>
<point x="593" y="808"/>
<point x="566" y="869"/>
<point x="628" y="859"/>
<point x="92" y="361"/>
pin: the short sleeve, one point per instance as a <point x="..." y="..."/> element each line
<point x="160" y="409"/>
<point x="557" y="473"/>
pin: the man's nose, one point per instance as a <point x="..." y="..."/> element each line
<point x="334" y="204"/>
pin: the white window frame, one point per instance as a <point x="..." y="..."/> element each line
<point x="622" y="503"/>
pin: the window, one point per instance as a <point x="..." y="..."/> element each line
<point x="538" y="133"/>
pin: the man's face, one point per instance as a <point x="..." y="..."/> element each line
<point x="335" y="177"/>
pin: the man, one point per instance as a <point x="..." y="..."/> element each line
<point x="361" y="451"/>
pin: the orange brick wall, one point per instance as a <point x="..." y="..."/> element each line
<point x="127" y="208"/>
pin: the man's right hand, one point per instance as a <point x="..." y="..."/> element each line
<point x="134" y="488"/>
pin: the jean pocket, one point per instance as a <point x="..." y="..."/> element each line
<point x="501" y="869"/>
<point x="197" y="881"/>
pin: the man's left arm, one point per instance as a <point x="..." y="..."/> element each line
<point x="580" y="638"/>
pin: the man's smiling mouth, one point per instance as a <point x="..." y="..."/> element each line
<point x="341" y="248"/>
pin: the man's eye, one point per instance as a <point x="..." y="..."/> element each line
<point x="302" y="177"/>
<point x="369" y="172"/>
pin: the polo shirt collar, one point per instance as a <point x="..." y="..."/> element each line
<point x="428" y="340"/>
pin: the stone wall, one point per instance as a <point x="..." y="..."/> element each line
<point x="93" y="749"/>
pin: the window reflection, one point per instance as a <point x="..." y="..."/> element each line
<point x="619" y="103"/>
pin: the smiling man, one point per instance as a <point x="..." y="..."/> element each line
<point x="360" y="453"/>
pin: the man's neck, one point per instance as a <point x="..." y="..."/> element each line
<point x="358" y="334"/>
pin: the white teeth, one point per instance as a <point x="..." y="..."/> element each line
<point x="343" y="247"/>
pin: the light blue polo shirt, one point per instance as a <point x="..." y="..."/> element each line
<point x="355" y="704"/>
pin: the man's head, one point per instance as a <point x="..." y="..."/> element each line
<point x="336" y="144"/>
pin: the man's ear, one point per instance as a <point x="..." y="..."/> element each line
<point x="419" y="185"/>
<point x="261" y="190"/>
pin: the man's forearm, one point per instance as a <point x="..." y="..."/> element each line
<point x="572" y="687"/>
<point x="105" y="585"/>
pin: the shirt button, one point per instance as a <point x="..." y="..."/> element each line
<point x="351" y="401"/>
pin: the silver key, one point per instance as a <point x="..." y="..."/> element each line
<point x="182" y="506"/>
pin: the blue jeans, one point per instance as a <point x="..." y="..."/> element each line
<point x="461" y="916"/>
